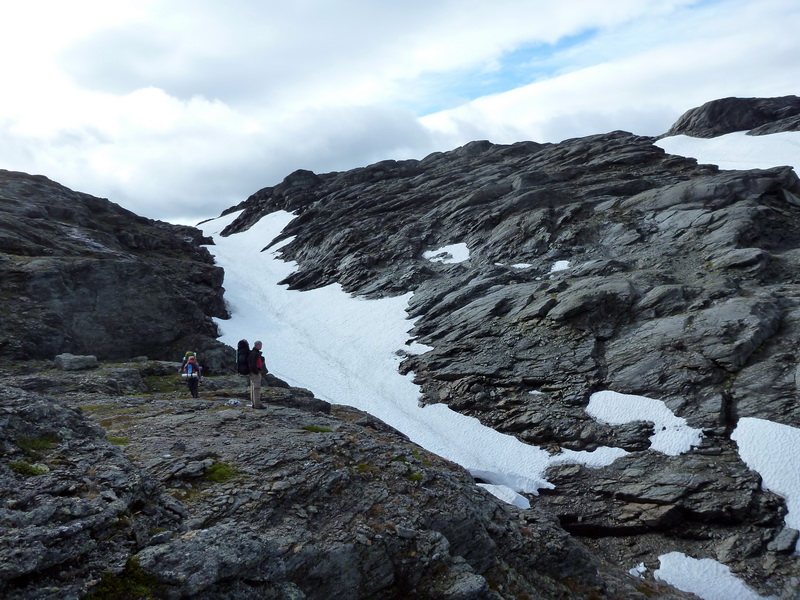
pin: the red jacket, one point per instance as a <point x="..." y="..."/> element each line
<point x="255" y="361"/>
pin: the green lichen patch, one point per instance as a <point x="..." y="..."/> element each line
<point x="160" y="384"/>
<point x="317" y="429"/>
<point x="27" y="469"/>
<point x="219" y="473"/>
<point x="36" y="447"/>
<point x="132" y="583"/>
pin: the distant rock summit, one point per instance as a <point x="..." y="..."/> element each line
<point x="757" y="116"/>
<point x="598" y="263"/>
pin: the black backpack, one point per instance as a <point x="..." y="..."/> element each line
<point x="242" y="352"/>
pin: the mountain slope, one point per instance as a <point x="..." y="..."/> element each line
<point x="541" y="275"/>
<point x="682" y="286"/>
<point x="204" y="499"/>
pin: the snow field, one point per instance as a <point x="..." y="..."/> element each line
<point x="345" y="349"/>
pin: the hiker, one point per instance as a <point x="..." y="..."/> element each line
<point x="193" y="373"/>
<point x="255" y="361"/>
<point x="186" y="359"/>
<point x="242" y="356"/>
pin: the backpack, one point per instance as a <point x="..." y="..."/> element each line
<point x="186" y="358"/>
<point x="191" y="369"/>
<point x="242" y="352"/>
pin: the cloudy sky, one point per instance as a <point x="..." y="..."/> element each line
<point x="178" y="109"/>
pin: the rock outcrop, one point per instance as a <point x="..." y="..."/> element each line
<point x="206" y="498"/>
<point x="82" y="275"/>
<point x="757" y="116"/>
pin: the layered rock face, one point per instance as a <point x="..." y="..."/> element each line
<point x="682" y="286"/>
<point x="208" y="499"/>
<point x="85" y="276"/>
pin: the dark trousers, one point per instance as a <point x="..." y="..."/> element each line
<point x="193" y="383"/>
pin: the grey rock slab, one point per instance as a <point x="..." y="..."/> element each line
<point x="71" y="362"/>
<point x="785" y="541"/>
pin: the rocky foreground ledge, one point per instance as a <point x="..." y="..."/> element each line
<point x="116" y="484"/>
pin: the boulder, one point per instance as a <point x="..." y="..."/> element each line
<point x="71" y="362"/>
<point x="73" y="506"/>
<point x="785" y="541"/>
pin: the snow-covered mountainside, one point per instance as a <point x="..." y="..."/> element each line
<point x="625" y="317"/>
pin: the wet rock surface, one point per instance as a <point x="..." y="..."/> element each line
<point x="82" y="275"/>
<point x="158" y="495"/>
<point x="681" y="285"/>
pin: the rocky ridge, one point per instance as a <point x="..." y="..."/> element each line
<point x="83" y="275"/>
<point x="682" y="286"/>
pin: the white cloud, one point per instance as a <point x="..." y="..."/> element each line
<point x="309" y="53"/>
<point x="643" y="87"/>
<point x="174" y="107"/>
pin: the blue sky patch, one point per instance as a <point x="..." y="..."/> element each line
<point x="522" y="66"/>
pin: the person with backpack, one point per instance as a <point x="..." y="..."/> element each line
<point x="193" y="373"/>
<point x="242" y="356"/>
<point x="255" y="364"/>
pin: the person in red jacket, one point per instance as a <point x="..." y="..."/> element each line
<point x="255" y="361"/>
